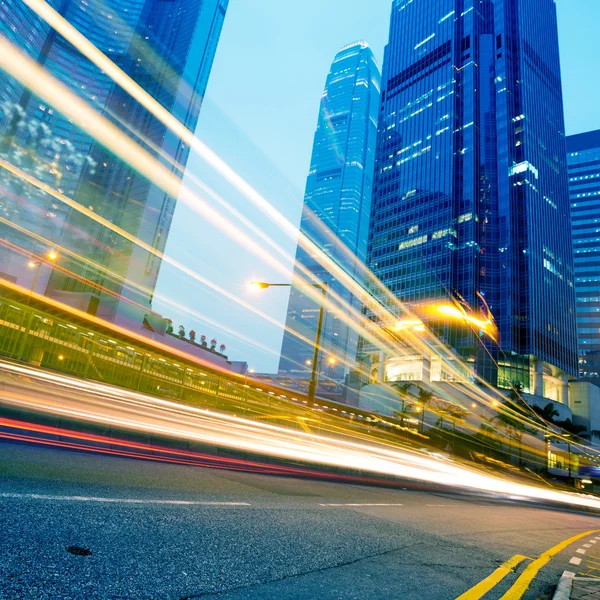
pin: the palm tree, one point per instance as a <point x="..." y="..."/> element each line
<point x="404" y="414"/>
<point x="457" y="414"/>
<point x="516" y="391"/>
<point x="570" y="427"/>
<point x="425" y="397"/>
<point x="442" y="414"/>
<point x="548" y="413"/>
<point x="402" y="391"/>
<point x="488" y="434"/>
<point x="511" y="418"/>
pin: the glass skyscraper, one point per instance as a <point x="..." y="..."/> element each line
<point x="584" y="183"/>
<point x="471" y="193"/>
<point x="168" y="49"/>
<point x="336" y="209"/>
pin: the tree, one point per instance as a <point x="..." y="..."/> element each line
<point x="457" y="414"/>
<point x="425" y="398"/>
<point x="513" y="416"/>
<point x="487" y="432"/>
<point x="405" y="413"/>
<point x="516" y="391"/>
<point x="442" y="414"/>
<point x="181" y="331"/>
<point x="402" y="390"/>
<point x="192" y="336"/>
<point x="570" y="427"/>
<point x="548" y="413"/>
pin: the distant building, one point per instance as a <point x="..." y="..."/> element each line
<point x="336" y="211"/>
<point x="471" y="199"/>
<point x="167" y="48"/>
<point x="584" y="183"/>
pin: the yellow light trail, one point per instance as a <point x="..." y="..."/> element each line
<point x="34" y="77"/>
<point x="95" y="217"/>
<point x="57" y="95"/>
<point x="125" y="82"/>
<point x="63" y="251"/>
<point x="99" y="403"/>
<point x="134" y="240"/>
<point x="79" y="41"/>
<point x="65" y="101"/>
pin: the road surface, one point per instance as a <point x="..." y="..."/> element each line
<point x="168" y="532"/>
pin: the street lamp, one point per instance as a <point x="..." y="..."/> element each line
<point x="567" y="436"/>
<point x="249" y="373"/>
<point x="314" y="373"/>
<point x="37" y="265"/>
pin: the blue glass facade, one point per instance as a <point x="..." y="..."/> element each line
<point x="337" y="205"/>
<point x="583" y="157"/>
<point x="470" y="198"/>
<point x="166" y="47"/>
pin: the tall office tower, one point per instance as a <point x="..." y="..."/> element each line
<point x="167" y="48"/>
<point x="583" y="158"/>
<point x="337" y="204"/>
<point x="470" y="199"/>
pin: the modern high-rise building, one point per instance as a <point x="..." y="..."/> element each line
<point x="471" y="199"/>
<point x="583" y="157"/>
<point x="166" y="47"/>
<point x="337" y="205"/>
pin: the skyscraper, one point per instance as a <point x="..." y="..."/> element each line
<point x="167" y="48"/>
<point x="337" y="204"/>
<point x="584" y="184"/>
<point x="470" y="198"/>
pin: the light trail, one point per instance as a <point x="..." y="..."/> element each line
<point x="62" y="396"/>
<point x="90" y="51"/>
<point x="111" y="275"/>
<point x="59" y="96"/>
<point x="134" y="240"/>
<point x="65" y="101"/>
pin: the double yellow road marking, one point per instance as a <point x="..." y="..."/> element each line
<point x="524" y="580"/>
<point x="483" y="587"/>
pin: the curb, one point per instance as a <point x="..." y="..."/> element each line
<point x="565" y="585"/>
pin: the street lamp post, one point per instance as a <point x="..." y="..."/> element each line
<point x="314" y="373"/>
<point x="37" y="265"/>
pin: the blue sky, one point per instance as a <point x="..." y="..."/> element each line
<point x="260" y="113"/>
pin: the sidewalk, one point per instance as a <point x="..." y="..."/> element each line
<point x="581" y="580"/>
<point x="585" y="587"/>
<point x="577" y="588"/>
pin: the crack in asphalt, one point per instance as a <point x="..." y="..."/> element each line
<point x="328" y="568"/>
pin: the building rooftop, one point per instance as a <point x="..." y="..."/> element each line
<point x="583" y="141"/>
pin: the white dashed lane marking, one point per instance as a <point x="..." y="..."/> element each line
<point x="575" y="561"/>
<point x="365" y="504"/>
<point x="120" y="500"/>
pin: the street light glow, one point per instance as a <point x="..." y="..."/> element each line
<point x="415" y="324"/>
<point x="52" y="255"/>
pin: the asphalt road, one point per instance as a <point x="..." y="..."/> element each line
<point x="204" y="533"/>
